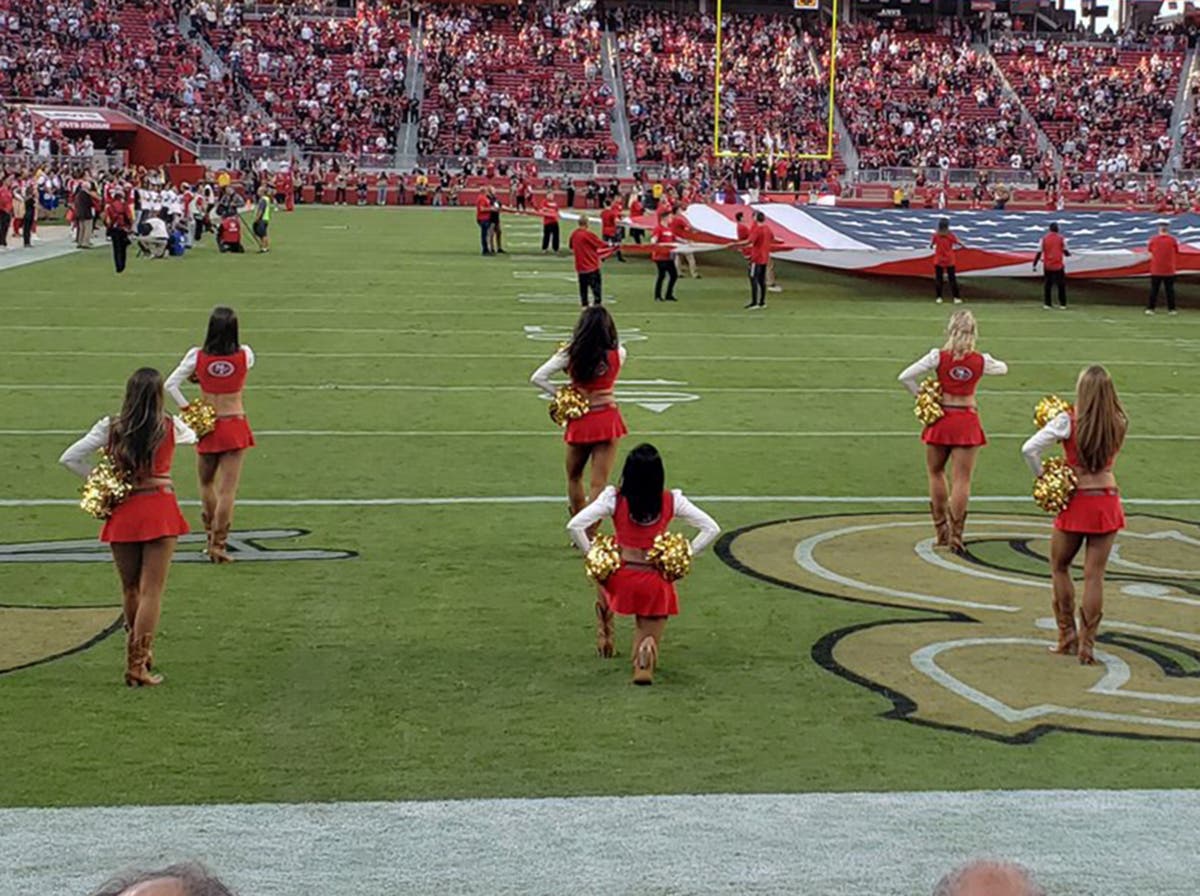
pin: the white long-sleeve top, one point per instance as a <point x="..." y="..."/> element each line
<point x="79" y="458"/>
<point x="187" y="367"/>
<point x="912" y="375"/>
<point x="606" y="505"/>
<point x="559" y="362"/>
<point x="1057" y="429"/>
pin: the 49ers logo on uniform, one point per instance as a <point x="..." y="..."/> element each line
<point x="960" y="373"/>
<point x="221" y="368"/>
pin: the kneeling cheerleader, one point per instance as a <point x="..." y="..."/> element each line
<point x="646" y="558"/>
<point x="1092" y="434"/>
<point x="131" y="490"/>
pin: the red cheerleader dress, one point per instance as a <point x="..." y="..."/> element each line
<point x="958" y="427"/>
<point x="636" y="588"/>
<point x="224" y="375"/>
<point x="603" y="423"/>
<point x="151" y="513"/>
<point x="1092" y="511"/>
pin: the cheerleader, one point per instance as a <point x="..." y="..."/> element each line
<point x="144" y="527"/>
<point x="956" y="438"/>
<point x="641" y="509"/>
<point x="1092" y="435"/>
<point x="220" y="368"/>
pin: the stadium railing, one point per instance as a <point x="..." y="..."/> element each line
<point x="96" y="162"/>
<point x="956" y="176"/>
<point x="576" y="167"/>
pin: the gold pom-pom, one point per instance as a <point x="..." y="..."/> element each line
<point x="929" y="402"/>
<point x="603" y="558"/>
<point x="1049" y="408"/>
<point x="200" y="417"/>
<point x="671" y="555"/>
<point x="103" y="489"/>
<point x="567" y="404"/>
<point x="1053" y="489"/>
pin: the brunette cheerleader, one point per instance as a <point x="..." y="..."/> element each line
<point x="593" y="360"/>
<point x="641" y="509"/>
<point x="956" y="438"/>
<point x="1092" y="435"/>
<point x="220" y="368"/>
<point x="143" y="528"/>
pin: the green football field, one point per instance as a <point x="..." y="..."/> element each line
<point x="443" y="648"/>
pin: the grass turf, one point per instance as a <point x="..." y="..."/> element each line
<point x="452" y="657"/>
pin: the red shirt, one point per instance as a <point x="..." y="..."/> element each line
<point x="959" y="376"/>
<point x="760" y="244"/>
<point x="221" y="374"/>
<point x="943" y="249"/>
<point x="608" y="221"/>
<point x="631" y="534"/>
<point x="662" y="234"/>
<point x="586" y="247"/>
<point x="743" y="234"/>
<point x="116" y="214"/>
<point x="1053" y="247"/>
<point x="636" y="208"/>
<point x="549" y="210"/>
<point x="230" y="230"/>
<point x="1164" y="249"/>
<point x="6" y="203"/>
<point x="483" y="208"/>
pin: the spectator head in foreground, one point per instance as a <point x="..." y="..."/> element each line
<point x="1164" y="226"/>
<point x="1054" y="227"/>
<point x="582" y="223"/>
<point x="988" y="878"/>
<point x="943" y="225"/>
<point x="178" y="880"/>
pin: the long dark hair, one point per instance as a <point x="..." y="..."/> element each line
<point x="642" y="481"/>
<point x="141" y="426"/>
<point x="222" y="338"/>
<point x="594" y="337"/>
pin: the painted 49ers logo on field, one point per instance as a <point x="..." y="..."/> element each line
<point x="972" y="655"/>
<point x="221" y="368"/>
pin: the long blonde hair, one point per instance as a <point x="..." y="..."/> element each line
<point x="1100" y="421"/>
<point x="961" y="333"/>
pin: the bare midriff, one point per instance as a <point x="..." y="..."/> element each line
<point x="228" y="404"/>
<point x="1089" y="481"/>
<point x="958" y="401"/>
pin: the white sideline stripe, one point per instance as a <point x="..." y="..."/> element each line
<point x="512" y="500"/>
<point x="835" y="844"/>
<point x="422" y="387"/>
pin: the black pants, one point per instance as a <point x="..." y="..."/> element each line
<point x="636" y="234"/>
<point x="758" y="284"/>
<point x="614" y="240"/>
<point x="27" y="230"/>
<point x="484" y="226"/>
<point x="1167" y="283"/>
<point x="939" y="273"/>
<point x="120" y="242"/>
<point x="1051" y="279"/>
<point x="340" y="196"/>
<point x="550" y="236"/>
<point x="666" y="269"/>
<point x="5" y="223"/>
<point x="590" y="280"/>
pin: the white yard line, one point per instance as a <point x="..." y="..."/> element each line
<point x="838" y="844"/>
<point x="671" y="433"/>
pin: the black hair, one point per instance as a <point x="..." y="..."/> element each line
<point x="642" y="481"/>
<point x="594" y="337"/>
<point x="194" y="879"/>
<point x="222" y="338"/>
<point x="739" y="216"/>
<point x="943" y="224"/>
<point x="1054" y="227"/>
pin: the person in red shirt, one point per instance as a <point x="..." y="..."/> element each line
<point x="6" y="209"/>
<point x="1164" y="255"/>
<point x="943" y="243"/>
<point x="759" y="247"/>
<point x="119" y="222"/>
<point x="1053" y="252"/>
<point x="610" y="227"/>
<point x="549" y="210"/>
<point x="636" y="210"/>
<point x="483" y="217"/>
<point x="587" y="248"/>
<point x="662" y="243"/>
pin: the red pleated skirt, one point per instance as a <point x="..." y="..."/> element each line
<point x="958" y="428"/>
<point x="146" y="516"/>
<point x="603" y="425"/>
<point x="230" y="434"/>
<point x="1092" y="512"/>
<point x="637" y="591"/>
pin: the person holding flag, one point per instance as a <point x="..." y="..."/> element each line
<point x="588" y="250"/>
<point x="610" y="228"/>
<point x="549" y="212"/>
<point x="662" y="243"/>
<point x="1053" y="252"/>
<point x="943" y="243"/>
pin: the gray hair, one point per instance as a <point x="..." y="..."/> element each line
<point x="956" y="882"/>
<point x="195" y="879"/>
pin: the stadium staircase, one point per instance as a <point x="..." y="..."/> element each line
<point x="1179" y="116"/>
<point x="610" y="64"/>
<point x="414" y="88"/>
<point x="1045" y="145"/>
<point x="845" y="152"/>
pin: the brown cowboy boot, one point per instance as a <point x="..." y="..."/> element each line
<point x="208" y="536"/>
<point x="941" y="525"/>
<point x="136" y="653"/>
<point x="1068" y="636"/>
<point x="1087" y="637"/>
<point x="645" y="658"/>
<point x="217" y="552"/>
<point x="957" y="525"/>
<point x="604" y="630"/>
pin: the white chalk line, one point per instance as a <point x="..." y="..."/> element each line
<point x="517" y="500"/>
